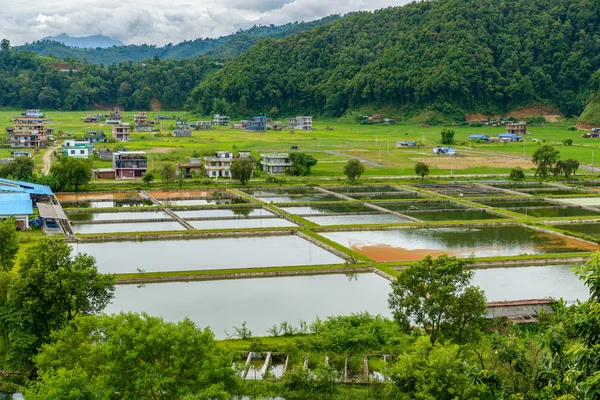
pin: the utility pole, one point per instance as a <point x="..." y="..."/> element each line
<point x="592" y="160"/>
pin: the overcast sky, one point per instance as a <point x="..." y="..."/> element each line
<point x="161" y="21"/>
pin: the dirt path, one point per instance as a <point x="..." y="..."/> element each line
<point x="48" y="159"/>
<point x="368" y="162"/>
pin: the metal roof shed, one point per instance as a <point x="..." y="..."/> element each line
<point x="31" y="188"/>
<point x="16" y="205"/>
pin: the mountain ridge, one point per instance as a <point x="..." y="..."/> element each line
<point x="92" y="41"/>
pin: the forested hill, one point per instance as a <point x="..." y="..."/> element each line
<point x="447" y="55"/>
<point x="223" y="48"/>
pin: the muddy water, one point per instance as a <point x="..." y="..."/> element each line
<point x="586" y="229"/>
<point x="453" y="215"/>
<point x="556" y="212"/>
<point x="235" y="212"/>
<point x="187" y="193"/>
<point x="328" y="209"/>
<point x="107" y="204"/>
<point x="200" y="202"/>
<point x="128" y="227"/>
<point x="357" y="219"/>
<point x="260" y="302"/>
<point x="98" y="196"/>
<point x="203" y="254"/>
<point x="117" y="216"/>
<point x="414" y="244"/>
<point x="584" y="201"/>
<point x="241" y="223"/>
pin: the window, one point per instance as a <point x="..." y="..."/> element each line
<point x="225" y="173"/>
<point x="72" y="151"/>
<point x="81" y="151"/>
<point x="213" y="173"/>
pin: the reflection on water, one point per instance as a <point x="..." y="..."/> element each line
<point x="216" y="213"/>
<point x="357" y="219"/>
<point x="128" y="227"/>
<point x="490" y="241"/>
<point x="556" y="212"/>
<point x="585" y="229"/>
<point x="298" y="199"/>
<point x="203" y="254"/>
<point x="117" y="216"/>
<point x="328" y="209"/>
<point x="584" y="201"/>
<point x="241" y="223"/>
<point x="453" y="215"/>
<point x="262" y="303"/>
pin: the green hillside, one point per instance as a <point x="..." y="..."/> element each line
<point x="445" y="55"/>
<point x="224" y="47"/>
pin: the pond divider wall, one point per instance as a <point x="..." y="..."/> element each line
<point x="386" y="211"/>
<point x="338" y="195"/>
<point x="322" y="245"/>
<point x="494" y="188"/>
<point x="168" y="211"/>
<point x="179" y="236"/>
<point x="123" y="221"/>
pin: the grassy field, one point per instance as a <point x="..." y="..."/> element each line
<point x="375" y="143"/>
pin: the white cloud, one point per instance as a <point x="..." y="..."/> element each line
<point x="160" y="22"/>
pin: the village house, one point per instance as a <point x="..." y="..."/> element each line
<point x="301" y="123"/>
<point x="89" y="119"/>
<point x="105" y="154"/>
<point x="221" y="120"/>
<point x="95" y="137"/>
<point x="18" y="198"/>
<point x="114" y="117"/>
<point x="509" y="137"/>
<point x="121" y="133"/>
<point x="193" y="166"/>
<point x="130" y="164"/>
<point x="258" y="124"/>
<point x="77" y="148"/>
<point x="594" y="133"/>
<point x="518" y="128"/>
<point x="275" y="163"/>
<point x="104" y="173"/>
<point x="203" y="126"/>
<point x="219" y="165"/>
<point x="182" y="132"/>
<point x="29" y="130"/>
<point x="141" y="122"/>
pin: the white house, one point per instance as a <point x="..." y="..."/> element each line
<point x="77" y="148"/>
<point x="275" y="163"/>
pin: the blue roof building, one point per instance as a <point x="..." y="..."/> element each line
<point x="25" y="187"/>
<point x="17" y="205"/>
<point x="510" y="137"/>
<point x="477" y="136"/>
<point x="258" y="124"/>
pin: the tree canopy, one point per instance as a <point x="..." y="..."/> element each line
<point x="242" y="170"/>
<point x="301" y="164"/>
<point x="354" y="169"/>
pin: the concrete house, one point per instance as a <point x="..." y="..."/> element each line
<point x="300" y="123"/>
<point x="219" y="165"/>
<point x="29" y="130"/>
<point x="193" y="166"/>
<point x="275" y="163"/>
<point x="141" y="122"/>
<point x="519" y="128"/>
<point x="510" y="137"/>
<point x="406" y="144"/>
<point x="258" y="124"/>
<point x="17" y="199"/>
<point x="105" y="154"/>
<point x="130" y="164"/>
<point x="182" y="132"/>
<point x="121" y="133"/>
<point x="221" y="120"/>
<point x="77" y="148"/>
<point x="203" y="126"/>
<point x="95" y="137"/>
<point x="114" y="118"/>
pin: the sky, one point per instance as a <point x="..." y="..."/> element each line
<point x="160" y="21"/>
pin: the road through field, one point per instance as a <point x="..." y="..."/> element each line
<point x="48" y="159"/>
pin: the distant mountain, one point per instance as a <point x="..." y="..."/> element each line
<point x="89" y="42"/>
<point x="223" y="48"/>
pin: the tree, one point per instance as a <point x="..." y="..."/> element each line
<point x="242" y="170"/>
<point x="422" y="169"/>
<point x="435" y="294"/>
<point x="274" y="112"/>
<point x="517" y="174"/>
<point x="75" y="172"/>
<point x="545" y="157"/>
<point x="51" y="289"/>
<point x="447" y="136"/>
<point x="148" y="177"/>
<point x="132" y="356"/>
<point x="566" y="167"/>
<point x="10" y="243"/>
<point x="354" y="169"/>
<point x="167" y="172"/>
<point x="5" y="45"/>
<point x="301" y="164"/>
<point x="20" y="168"/>
<point x="568" y="142"/>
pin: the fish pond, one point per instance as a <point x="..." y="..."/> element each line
<point x="453" y="215"/>
<point x="205" y="254"/>
<point x="363" y="219"/>
<point x="125" y="227"/>
<point x="480" y="241"/>
<point x="117" y="216"/>
<point x="299" y="199"/>
<point x="241" y="223"/>
<point x="584" y="229"/>
<point x="328" y="209"/>
<point x="224" y="213"/>
<point x="556" y="212"/>
<point x="583" y="201"/>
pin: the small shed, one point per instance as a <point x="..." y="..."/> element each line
<point x="17" y="205"/>
<point x="476" y="136"/>
<point x="182" y="132"/>
<point x="406" y="144"/>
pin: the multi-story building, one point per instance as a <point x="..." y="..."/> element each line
<point x="121" y="133"/>
<point x="29" y="130"/>
<point x="95" y="137"/>
<point x="203" y="126"/>
<point x="221" y="120"/>
<point x="130" y="164"/>
<point x="300" y="123"/>
<point x="275" y="163"/>
<point x="194" y="166"/>
<point x="219" y="165"/>
<point x="77" y="148"/>
<point x="519" y="128"/>
<point x="114" y="117"/>
<point x="141" y="122"/>
<point x="258" y="124"/>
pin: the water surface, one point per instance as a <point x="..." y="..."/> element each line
<point x="585" y="229"/>
<point x="223" y="212"/>
<point x="453" y="215"/>
<point x="299" y="199"/>
<point x="422" y="206"/>
<point x="328" y="209"/>
<point x="241" y="223"/>
<point x="556" y="212"/>
<point x="583" y="201"/>
<point x="117" y="216"/>
<point x="361" y="189"/>
<point x="128" y="227"/>
<point x="357" y="219"/>
<point x="203" y="254"/>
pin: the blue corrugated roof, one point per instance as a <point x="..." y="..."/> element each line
<point x="31" y="188"/>
<point x="15" y="204"/>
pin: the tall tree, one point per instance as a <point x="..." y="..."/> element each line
<point x="436" y="294"/>
<point x="242" y="170"/>
<point x="353" y="169"/>
<point x="20" y="168"/>
<point x="10" y="243"/>
<point x="52" y="288"/>
<point x="167" y="172"/>
<point x="301" y="164"/>
<point x="544" y="158"/>
<point x="422" y="170"/>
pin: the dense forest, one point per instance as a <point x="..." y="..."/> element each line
<point x="28" y="80"/>
<point x="446" y="55"/>
<point x="222" y="48"/>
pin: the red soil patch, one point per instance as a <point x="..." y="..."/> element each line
<point x="384" y="252"/>
<point x="97" y="196"/>
<point x="585" y="127"/>
<point x="551" y="114"/>
<point x="178" y="194"/>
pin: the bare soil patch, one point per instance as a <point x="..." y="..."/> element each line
<point x="155" y="104"/>
<point x="475" y="162"/>
<point x="585" y="127"/>
<point x="551" y="114"/>
<point x="160" y="150"/>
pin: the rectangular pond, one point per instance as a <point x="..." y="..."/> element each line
<point x="203" y="254"/>
<point x="517" y="203"/>
<point x="583" y="201"/>
<point x="416" y="206"/>
<point x="556" y="212"/>
<point x="328" y="209"/>
<point x="386" y="196"/>
<point x="201" y="202"/>
<point x="482" y="241"/>
<point x="299" y="199"/>
<point x="280" y="192"/>
<point x="364" y="219"/>
<point x="458" y="215"/>
<point x="107" y="204"/>
<point x="262" y="303"/>
<point x="361" y="189"/>
<point x="73" y="197"/>
<point x="177" y="194"/>
<point x="223" y="212"/>
<point x="584" y="229"/>
<point x="241" y="223"/>
<point x="163" y="226"/>
<point x="117" y="216"/>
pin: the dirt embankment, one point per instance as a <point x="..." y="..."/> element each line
<point x="551" y="114"/>
<point x="155" y="104"/>
<point x="585" y="127"/>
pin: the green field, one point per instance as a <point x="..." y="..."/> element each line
<point x="375" y="143"/>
